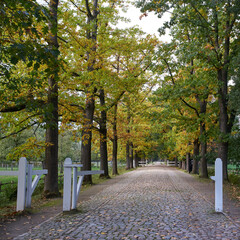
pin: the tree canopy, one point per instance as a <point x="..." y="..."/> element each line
<point x="69" y="73"/>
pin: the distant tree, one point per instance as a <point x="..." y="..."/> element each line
<point x="215" y="24"/>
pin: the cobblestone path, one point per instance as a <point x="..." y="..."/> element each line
<point x="149" y="203"/>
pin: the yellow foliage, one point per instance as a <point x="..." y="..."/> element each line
<point x="31" y="149"/>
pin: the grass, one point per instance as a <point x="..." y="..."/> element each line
<point x="8" y="169"/>
<point x="232" y="186"/>
<point x="234" y="167"/>
<point x="8" y="202"/>
<point x="6" y="179"/>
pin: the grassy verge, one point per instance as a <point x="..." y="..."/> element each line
<point x="8" y="199"/>
<point x="232" y="186"/>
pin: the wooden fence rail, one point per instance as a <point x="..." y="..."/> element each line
<point x="25" y="185"/>
<point x="72" y="185"/>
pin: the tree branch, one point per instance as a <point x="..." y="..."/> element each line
<point x="88" y="9"/>
<point x="80" y="10"/>
<point x="78" y="106"/>
<point x="14" y="133"/>
<point x="19" y="107"/>
<point x="116" y="100"/>
<point x="15" y="108"/>
<point x="187" y="104"/>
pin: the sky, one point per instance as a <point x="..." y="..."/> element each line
<point x="149" y="24"/>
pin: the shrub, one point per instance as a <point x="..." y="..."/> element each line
<point x="234" y="179"/>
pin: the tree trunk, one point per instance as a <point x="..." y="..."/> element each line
<point x="184" y="165"/>
<point x="203" y="137"/>
<point x="115" y="143"/>
<point x="103" y="136"/>
<point x="223" y="87"/>
<point x="137" y="158"/>
<point x="90" y="101"/>
<point x="51" y="153"/>
<point x="144" y="158"/>
<point x="223" y="122"/>
<point x="180" y="164"/>
<point x="176" y="161"/>
<point x="128" y="164"/>
<point x="131" y="154"/>
<point x="188" y="162"/>
<point x="203" y="161"/>
<point x="195" y="169"/>
<point x="127" y="156"/>
<point x="87" y="137"/>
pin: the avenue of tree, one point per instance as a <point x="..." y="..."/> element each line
<point x="74" y="84"/>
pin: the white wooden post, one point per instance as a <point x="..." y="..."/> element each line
<point x="80" y="181"/>
<point x="76" y="185"/>
<point x="21" y="192"/>
<point x="29" y="185"/>
<point x="32" y="185"/>
<point x="67" y="184"/>
<point x="218" y="178"/>
<point x="74" y="188"/>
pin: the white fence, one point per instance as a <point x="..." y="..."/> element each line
<point x="69" y="195"/>
<point x="171" y="163"/>
<point x="25" y="185"/>
<point x="142" y="163"/>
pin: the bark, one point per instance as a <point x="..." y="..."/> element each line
<point x="180" y="164"/>
<point x="223" y="121"/>
<point x="176" y="161"/>
<point x="90" y="101"/>
<point x="131" y="155"/>
<point x="144" y="158"/>
<point x="203" y="143"/>
<point x="103" y="136"/>
<point x="87" y="137"/>
<point x="115" y="142"/>
<point x="188" y="162"/>
<point x="196" y="145"/>
<point x="115" y="136"/>
<point x="223" y="114"/>
<point x="128" y="164"/>
<point x="183" y="165"/>
<point x="127" y="156"/>
<point x="51" y="153"/>
<point x="224" y="128"/>
<point x="137" y="158"/>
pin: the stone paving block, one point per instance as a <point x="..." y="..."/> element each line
<point x="153" y="203"/>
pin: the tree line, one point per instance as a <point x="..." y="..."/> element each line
<point x="66" y="67"/>
<point x="201" y="81"/>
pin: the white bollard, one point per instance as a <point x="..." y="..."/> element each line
<point x="29" y="185"/>
<point x="74" y="188"/>
<point x="21" y="191"/>
<point x="218" y="178"/>
<point x="67" y="184"/>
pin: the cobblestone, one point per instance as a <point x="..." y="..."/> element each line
<point x="149" y="203"/>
